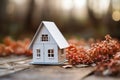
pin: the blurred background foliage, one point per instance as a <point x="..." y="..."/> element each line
<point x="84" y="18"/>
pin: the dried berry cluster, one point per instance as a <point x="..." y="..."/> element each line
<point x="104" y="50"/>
<point x="14" y="47"/>
<point x="77" y="55"/>
<point x="106" y="54"/>
<point x="98" y="52"/>
<point x="111" y="68"/>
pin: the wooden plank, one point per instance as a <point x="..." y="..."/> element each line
<point x="93" y="77"/>
<point x="12" y="58"/>
<point x="13" y="65"/>
<point x="41" y="72"/>
<point x="6" y="72"/>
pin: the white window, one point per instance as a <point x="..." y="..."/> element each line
<point x="44" y="37"/>
<point x="38" y="53"/>
<point x="50" y="52"/>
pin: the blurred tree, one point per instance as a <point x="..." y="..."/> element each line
<point x="28" y="21"/>
<point x="3" y="18"/>
<point x="95" y="22"/>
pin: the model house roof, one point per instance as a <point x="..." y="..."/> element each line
<point x="54" y="31"/>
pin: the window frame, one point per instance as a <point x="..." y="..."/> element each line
<point x="38" y="51"/>
<point x="51" y="53"/>
<point x="44" y="37"/>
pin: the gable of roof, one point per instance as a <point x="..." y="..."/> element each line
<point x="55" y="33"/>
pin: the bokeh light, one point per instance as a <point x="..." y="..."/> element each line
<point x="116" y="15"/>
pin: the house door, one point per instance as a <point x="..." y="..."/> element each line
<point x="38" y="53"/>
<point x="51" y="53"/>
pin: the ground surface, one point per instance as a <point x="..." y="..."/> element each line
<point x="23" y="71"/>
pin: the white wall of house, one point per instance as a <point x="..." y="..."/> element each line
<point x="44" y="46"/>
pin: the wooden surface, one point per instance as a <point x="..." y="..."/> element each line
<point x="93" y="77"/>
<point x="21" y="70"/>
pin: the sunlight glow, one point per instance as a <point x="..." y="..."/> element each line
<point x="99" y="7"/>
<point x="79" y="3"/>
<point x="80" y="10"/>
<point x="116" y="4"/>
<point x="104" y="5"/>
<point x="19" y="2"/>
<point x="67" y="4"/>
